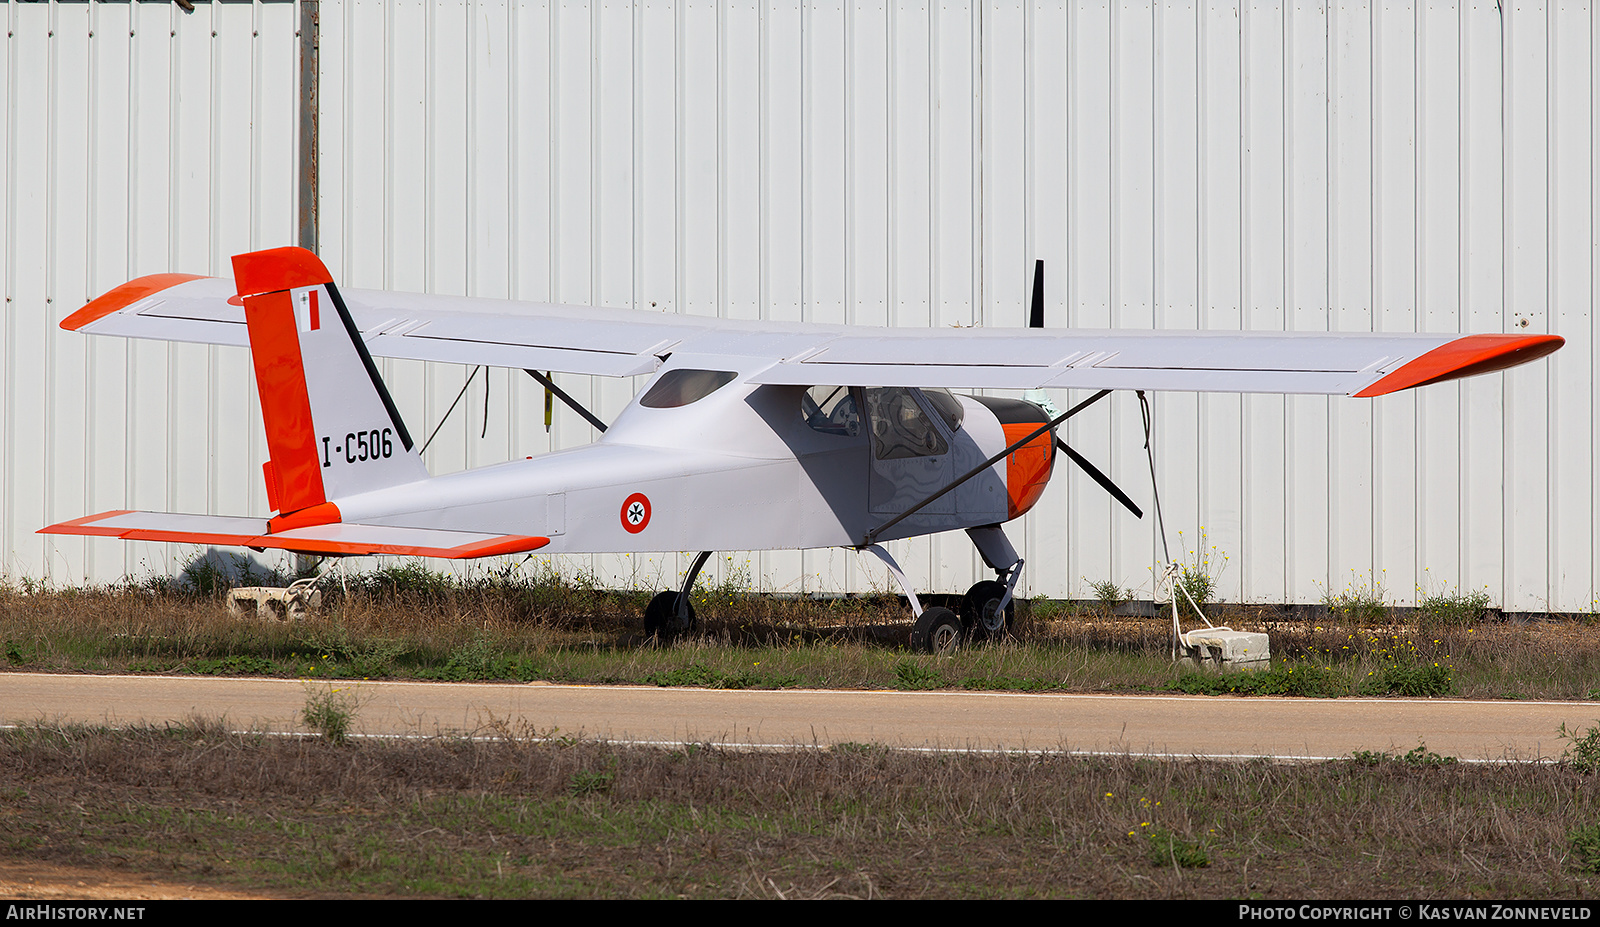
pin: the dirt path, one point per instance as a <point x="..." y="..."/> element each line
<point x="32" y="881"/>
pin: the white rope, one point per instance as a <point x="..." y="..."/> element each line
<point x="1172" y="571"/>
<point x="1170" y="578"/>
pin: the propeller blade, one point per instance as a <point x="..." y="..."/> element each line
<point x="1101" y="478"/>
<point x="1036" y="314"/>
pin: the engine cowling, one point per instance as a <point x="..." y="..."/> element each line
<point x="1028" y="467"/>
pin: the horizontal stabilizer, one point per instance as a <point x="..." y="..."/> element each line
<point x="335" y="539"/>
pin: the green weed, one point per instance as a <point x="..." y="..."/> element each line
<point x="18" y="655"/>
<point x="1419" y="756"/>
<point x="1453" y="609"/>
<point x="1585" y="843"/>
<point x="1164" y="848"/>
<point x="330" y="712"/>
<point x="1108" y="595"/>
<point x="1007" y="684"/>
<point x="1583" y="749"/>
<point x="1402" y="669"/>
<point x="1410" y="681"/>
<point x="1303" y="679"/>
<point x="591" y="781"/>
<point x="1360" y="605"/>
<point x="234" y="666"/>
<point x="911" y="675"/>
<point x="1198" y="575"/>
<point x="702" y="676"/>
<point x="211" y="576"/>
<point x="734" y="589"/>
<point x="483" y="657"/>
<point x="860" y="749"/>
<point x="375" y="658"/>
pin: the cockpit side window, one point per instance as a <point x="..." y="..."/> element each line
<point x="683" y="386"/>
<point x="831" y="410"/>
<point x="900" y="429"/>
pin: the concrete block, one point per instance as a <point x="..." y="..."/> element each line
<point x="1219" y="648"/>
<point x="300" y="600"/>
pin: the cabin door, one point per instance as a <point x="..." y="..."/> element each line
<point x="910" y="457"/>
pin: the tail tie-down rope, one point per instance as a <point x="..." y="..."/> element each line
<point x="1171" y="575"/>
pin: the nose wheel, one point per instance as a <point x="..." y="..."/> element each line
<point x="987" y="610"/>
<point x="982" y="615"/>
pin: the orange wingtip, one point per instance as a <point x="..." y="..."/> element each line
<point x="277" y="269"/>
<point x="85" y="525"/>
<point x="1466" y="357"/>
<point x="123" y="296"/>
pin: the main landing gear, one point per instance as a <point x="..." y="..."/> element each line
<point x="988" y="610"/>
<point x="670" y="613"/>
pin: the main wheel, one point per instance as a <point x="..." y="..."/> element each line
<point x="937" y="630"/>
<point x="980" y="611"/>
<point x="661" y="619"/>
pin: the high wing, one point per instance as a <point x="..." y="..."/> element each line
<point x="624" y="342"/>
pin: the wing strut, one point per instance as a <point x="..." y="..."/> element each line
<point x="457" y="402"/>
<point x="561" y="394"/>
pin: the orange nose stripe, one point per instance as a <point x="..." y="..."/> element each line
<point x="1027" y="467"/>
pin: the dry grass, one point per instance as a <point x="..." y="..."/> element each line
<point x="522" y="816"/>
<point x="407" y="623"/>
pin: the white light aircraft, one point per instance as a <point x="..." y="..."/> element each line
<point x="749" y="435"/>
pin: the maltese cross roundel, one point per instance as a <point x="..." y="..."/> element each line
<point x="635" y="513"/>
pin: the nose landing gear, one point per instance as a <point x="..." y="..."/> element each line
<point x="987" y="610"/>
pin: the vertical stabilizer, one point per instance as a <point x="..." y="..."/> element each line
<point x="332" y="428"/>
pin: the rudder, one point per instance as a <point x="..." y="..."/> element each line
<point x="332" y="427"/>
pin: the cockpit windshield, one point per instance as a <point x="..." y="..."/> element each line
<point x="946" y="404"/>
<point x="900" y="429"/>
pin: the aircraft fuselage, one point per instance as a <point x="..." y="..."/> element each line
<point x="743" y="467"/>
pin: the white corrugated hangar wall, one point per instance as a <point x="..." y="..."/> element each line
<point x="1392" y="167"/>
